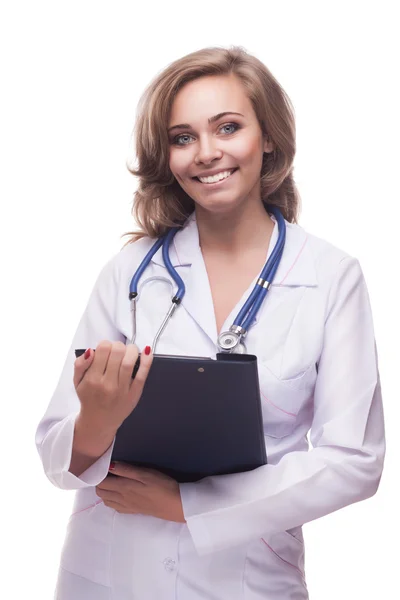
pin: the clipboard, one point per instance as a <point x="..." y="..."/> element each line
<point x="197" y="417"/>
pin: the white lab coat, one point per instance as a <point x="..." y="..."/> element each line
<point x="318" y="373"/>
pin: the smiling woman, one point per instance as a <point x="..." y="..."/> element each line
<point x="250" y="131"/>
<point x="215" y="141"/>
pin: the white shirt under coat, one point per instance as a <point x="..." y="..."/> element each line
<point x="318" y="373"/>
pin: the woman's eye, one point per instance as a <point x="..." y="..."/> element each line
<point x="235" y="126"/>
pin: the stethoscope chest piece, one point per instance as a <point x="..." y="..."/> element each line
<point x="229" y="341"/>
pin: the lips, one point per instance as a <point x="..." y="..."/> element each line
<point x="232" y="172"/>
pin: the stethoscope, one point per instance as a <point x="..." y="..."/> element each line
<point x="228" y="341"/>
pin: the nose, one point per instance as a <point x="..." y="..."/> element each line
<point x="207" y="152"/>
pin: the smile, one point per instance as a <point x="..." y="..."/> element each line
<point x="218" y="182"/>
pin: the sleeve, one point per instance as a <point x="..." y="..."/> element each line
<point x="347" y="435"/>
<point x="54" y="435"/>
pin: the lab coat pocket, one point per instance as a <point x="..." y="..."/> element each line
<point x="86" y="550"/>
<point x="275" y="568"/>
<point x="283" y="399"/>
<point x="286" y="548"/>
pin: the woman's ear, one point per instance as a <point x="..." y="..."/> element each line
<point x="269" y="146"/>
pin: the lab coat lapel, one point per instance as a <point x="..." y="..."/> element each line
<point x="296" y="269"/>
<point x="297" y="265"/>
<point x="198" y="300"/>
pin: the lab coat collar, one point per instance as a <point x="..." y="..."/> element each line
<point x="296" y="268"/>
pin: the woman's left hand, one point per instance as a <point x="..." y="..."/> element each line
<point x="136" y="490"/>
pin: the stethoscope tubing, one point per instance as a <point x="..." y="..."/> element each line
<point x="254" y="301"/>
<point x="173" y="272"/>
<point x="259" y="300"/>
<point x="133" y="288"/>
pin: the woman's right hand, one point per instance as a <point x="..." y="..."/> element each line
<point x="104" y="384"/>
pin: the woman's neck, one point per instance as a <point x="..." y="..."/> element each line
<point x="245" y="229"/>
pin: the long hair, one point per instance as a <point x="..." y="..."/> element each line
<point x="159" y="202"/>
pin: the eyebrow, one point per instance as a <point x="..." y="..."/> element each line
<point x="210" y="120"/>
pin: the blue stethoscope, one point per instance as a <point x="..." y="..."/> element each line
<point x="228" y="341"/>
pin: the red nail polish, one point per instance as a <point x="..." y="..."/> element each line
<point x="112" y="466"/>
<point x="87" y="353"/>
<point x="147" y="350"/>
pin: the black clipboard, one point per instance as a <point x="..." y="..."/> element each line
<point x="197" y="417"/>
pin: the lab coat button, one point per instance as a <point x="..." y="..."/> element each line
<point x="169" y="564"/>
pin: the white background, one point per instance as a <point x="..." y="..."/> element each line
<point x="71" y="76"/>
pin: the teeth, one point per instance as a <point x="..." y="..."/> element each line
<point x="218" y="177"/>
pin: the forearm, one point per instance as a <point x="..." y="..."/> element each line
<point x="89" y="444"/>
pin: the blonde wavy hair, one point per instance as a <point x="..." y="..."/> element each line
<point x="160" y="203"/>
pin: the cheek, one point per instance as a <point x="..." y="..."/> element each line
<point x="248" y="152"/>
<point x="178" y="165"/>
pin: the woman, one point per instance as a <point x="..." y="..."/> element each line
<point x="139" y="534"/>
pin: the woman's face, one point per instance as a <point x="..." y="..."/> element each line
<point x="231" y="142"/>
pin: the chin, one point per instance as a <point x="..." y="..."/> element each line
<point x="218" y="206"/>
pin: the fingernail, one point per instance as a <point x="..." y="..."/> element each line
<point x="112" y="466"/>
<point x="87" y="353"/>
<point x="147" y="350"/>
